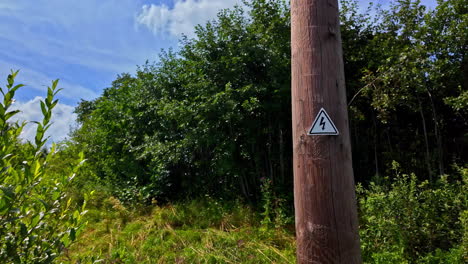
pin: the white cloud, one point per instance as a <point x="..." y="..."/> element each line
<point x="63" y="119"/>
<point x="183" y="17"/>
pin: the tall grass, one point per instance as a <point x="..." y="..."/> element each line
<point x="198" y="231"/>
<point x="402" y="220"/>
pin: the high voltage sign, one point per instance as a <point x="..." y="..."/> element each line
<point x="323" y="125"/>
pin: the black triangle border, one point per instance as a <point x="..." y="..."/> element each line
<point x="329" y="119"/>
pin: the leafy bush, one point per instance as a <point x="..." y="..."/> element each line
<point x="274" y="207"/>
<point x="408" y="221"/>
<point x="37" y="218"/>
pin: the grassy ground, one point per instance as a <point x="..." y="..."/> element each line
<point x="404" y="221"/>
<point x="202" y="231"/>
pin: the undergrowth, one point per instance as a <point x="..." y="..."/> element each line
<point x="198" y="231"/>
<point x="408" y="221"/>
<point x="402" y="220"/>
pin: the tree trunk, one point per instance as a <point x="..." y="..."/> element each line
<point x="376" y="157"/>
<point x="426" y="141"/>
<point x="281" y="157"/>
<point x="440" y="150"/>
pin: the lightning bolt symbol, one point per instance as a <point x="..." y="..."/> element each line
<point x="322" y="123"/>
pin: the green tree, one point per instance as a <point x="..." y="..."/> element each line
<point x="420" y="63"/>
<point x="214" y="117"/>
<point x="211" y="118"/>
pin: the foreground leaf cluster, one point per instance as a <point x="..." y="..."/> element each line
<point x="37" y="219"/>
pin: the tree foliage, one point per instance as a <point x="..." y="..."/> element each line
<point x="214" y="117"/>
<point x="37" y="219"/>
<point x="420" y="63"/>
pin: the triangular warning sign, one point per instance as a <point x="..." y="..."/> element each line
<point x="323" y="125"/>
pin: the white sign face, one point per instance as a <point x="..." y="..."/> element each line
<point x="323" y="125"/>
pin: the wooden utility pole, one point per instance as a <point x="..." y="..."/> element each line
<point x="324" y="195"/>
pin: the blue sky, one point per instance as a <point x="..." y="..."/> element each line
<point x="86" y="43"/>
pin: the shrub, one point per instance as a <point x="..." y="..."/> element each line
<point x="274" y="207"/>
<point x="413" y="222"/>
<point x="37" y="218"/>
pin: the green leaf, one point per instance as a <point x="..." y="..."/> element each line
<point x="58" y="90"/>
<point x="45" y="204"/>
<point x="4" y="169"/>
<point x="7" y="98"/>
<point x="76" y="214"/>
<point x="47" y="117"/>
<point x="17" y="87"/>
<point x="8" y="192"/>
<point x="43" y="108"/>
<point x="50" y="95"/>
<point x="10" y="114"/>
<point x="72" y="234"/>
<point x="35" y="219"/>
<point x="54" y="103"/>
<point x="4" y="204"/>
<point x="11" y="80"/>
<point x="23" y="230"/>
<point x="2" y="109"/>
<point x="54" y="84"/>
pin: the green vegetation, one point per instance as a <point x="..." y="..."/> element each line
<point x="191" y="156"/>
<point x="402" y="221"/>
<point x="37" y="219"/>
<point x="212" y="118"/>
<point x="215" y="117"/>
<point x="198" y="231"/>
<point x="408" y="221"/>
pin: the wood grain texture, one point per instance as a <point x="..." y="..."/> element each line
<point x="325" y="202"/>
